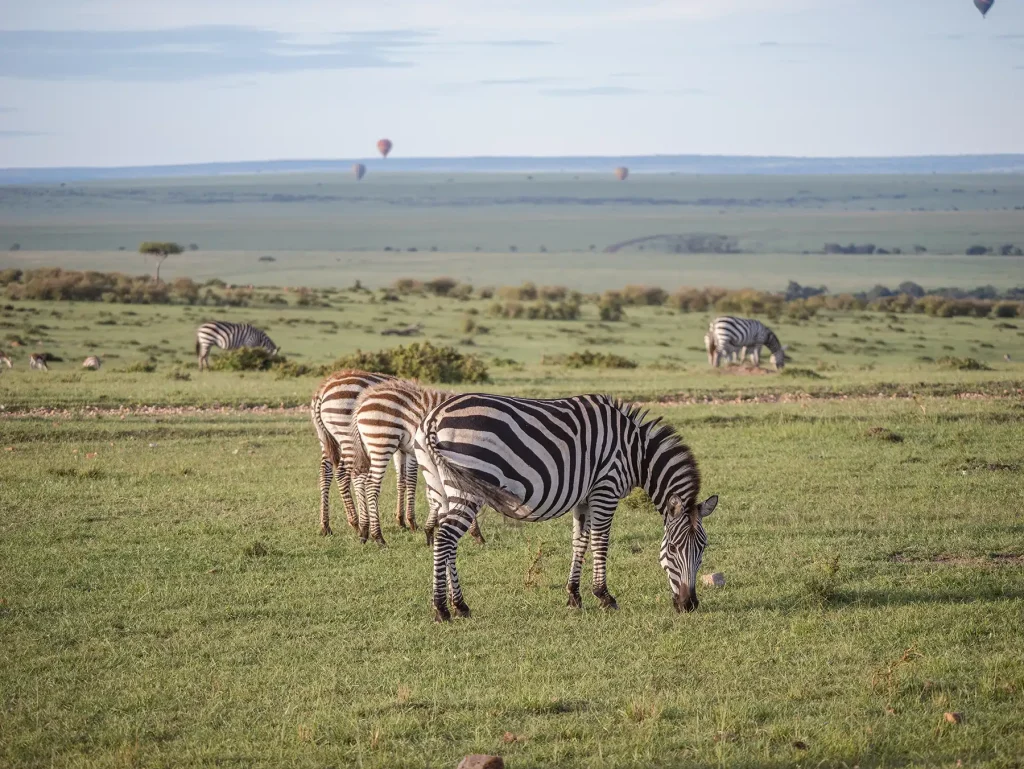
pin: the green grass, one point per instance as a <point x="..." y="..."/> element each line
<point x="168" y="603"/>
<point x="850" y="352"/>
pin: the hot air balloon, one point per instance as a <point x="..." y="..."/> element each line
<point x="621" y="173"/>
<point x="384" y="147"/>
<point x="359" y="170"/>
<point x="984" y="6"/>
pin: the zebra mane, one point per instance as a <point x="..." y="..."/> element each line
<point x="404" y="386"/>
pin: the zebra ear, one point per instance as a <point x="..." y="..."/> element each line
<point x="707" y="507"/>
<point x="674" y="507"/>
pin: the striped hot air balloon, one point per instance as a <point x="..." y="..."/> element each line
<point x="984" y="6"/>
<point x="621" y="173"/>
<point x="359" y="170"/>
<point x="384" y="147"/>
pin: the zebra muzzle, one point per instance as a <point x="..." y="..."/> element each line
<point x="686" y="602"/>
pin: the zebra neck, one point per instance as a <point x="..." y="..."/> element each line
<point x="772" y="342"/>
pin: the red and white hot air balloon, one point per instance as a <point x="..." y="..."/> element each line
<point x="621" y="173"/>
<point x="384" y="147"/>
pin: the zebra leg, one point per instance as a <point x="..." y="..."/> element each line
<point x="475" y="532"/>
<point x="446" y="575"/>
<point x="371" y="485"/>
<point x="580" y="538"/>
<point x="345" y="489"/>
<point x="326" y="476"/>
<point x="743" y="355"/>
<point x="359" y="485"/>
<point x="411" y="469"/>
<point x="755" y="356"/>
<point x="400" y="491"/>
<point x="600" y="527"/>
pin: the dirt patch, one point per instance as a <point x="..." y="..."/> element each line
<point x="959" y="559"/>
<point x="980" y="465"/>
<point x="744" y="371"/>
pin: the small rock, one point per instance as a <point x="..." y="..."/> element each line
<point x="954" y="718"/>
<point x="714" y="580"/>
<point x="800" y="745"/>
<point x="481" y="761"/>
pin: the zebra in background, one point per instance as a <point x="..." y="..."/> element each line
<point x="5" y="361"/>
<point x="37" y="361"/>
<point x="331" y="410"/>
<point x="92" y="362"/>
<point x="384" y="425"/>
<point x="729" y="336"/>
<point x="534" y="460"/>
<point x="229" y="336"/>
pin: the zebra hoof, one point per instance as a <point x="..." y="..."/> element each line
<point x="412" y="525"/>
<point x="380" y="542"/>
<point x="325" y="531"/>
<point x="574" y="602"/>
<point x="430" y="538"/>
<point x="608" y="602"/>
<point x="461" y="610"/>
<point x="441" y="614"/>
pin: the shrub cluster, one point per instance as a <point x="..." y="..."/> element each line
<point x="244" y="359"/>
<point x="588" y="359"/>
<point x="543" y="310"/>
<point x="422" y="361"/>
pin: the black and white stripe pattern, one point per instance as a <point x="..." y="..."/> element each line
<point x="731" y="336"/>
<point x="384" y="425"/>
<point x="534" y="460"/>
<point x="331" y="410"/>
<point x="229" y="336"/>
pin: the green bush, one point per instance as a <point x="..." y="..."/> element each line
<point x="610" y="307"/>
<point x="1007" y="309"/>
<point x="422" y="361"/>
<point x="588" y="359"/>
<point x="962" y="364"/>
<point x="141" y="367"/>
<point x="244" y="359"/>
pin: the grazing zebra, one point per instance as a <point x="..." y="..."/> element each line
<point x="537" y="459"/>
<point x="37" y="360"/>
<point x="92" y="362"/>
<point x="229" y="336"/>
<point x="384" y="425"/>
<point x="331" y="410"/>
<point x="729" y="336"/>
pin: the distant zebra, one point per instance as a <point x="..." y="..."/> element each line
<point x="537" y="459"/>
<point x="5" y="361"/>
<point x="729" y="336"/>
<point x="37" y="360"/>
<point x="229" y="336"/>
<point x="92" y="362"/>
<point x="331" y="410"/>
<point x="384" y="425"/>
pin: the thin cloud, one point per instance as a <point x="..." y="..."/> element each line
<point x="187" y="53"/>
<point x="520" y="81"/>
<point x="525" y="43"/>
<point x="601" y="90"/>
<point x="20" y="134"/>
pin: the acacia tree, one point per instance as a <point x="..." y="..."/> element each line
<point x="161" y="251"/>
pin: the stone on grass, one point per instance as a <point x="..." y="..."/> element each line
<point x="481" y="761"/>
<point x="714" y="580"/>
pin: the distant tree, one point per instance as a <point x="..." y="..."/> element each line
<point x="911" y="288"/>
<point x="161" y="250"/>
<point x="977" y="250"/>
<point x="193" y="247"/>
<point x="16" y="247"/>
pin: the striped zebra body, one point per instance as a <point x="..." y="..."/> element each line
<point x="229" y="336"/>
<point x="92" y="362"/>
<point x="731" y="336"/>
<point x="534" y="460"/>
<point x="384" y="425"/>
<point x="37" y="361"/>
<point x="331" y="410"/>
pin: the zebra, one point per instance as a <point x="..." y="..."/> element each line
<point x="5" y="361"/>
<point x="37" y="360"/>
<point x="534" y="460"/>
<point x="384" y="424"/>
<point x="229" y="336"/>
<point x="331" y="410"/>
<point x="729" y="336"/>
<point x="92" y="362"/>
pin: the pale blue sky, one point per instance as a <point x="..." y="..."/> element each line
<point x="111" y="82"/>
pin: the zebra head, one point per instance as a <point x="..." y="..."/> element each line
<point x="682" y="547"/>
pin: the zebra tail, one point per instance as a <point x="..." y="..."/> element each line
<point x="197" y="345"/>
<point x="360" y="460"/>
<point x="330" y="446"/>
<point x="502" y="500"/>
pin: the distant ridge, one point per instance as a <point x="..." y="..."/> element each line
<point x="662" y="164"/>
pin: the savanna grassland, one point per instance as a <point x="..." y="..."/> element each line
<point x="165" y="600"/>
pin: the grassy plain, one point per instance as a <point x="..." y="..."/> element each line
<point x="328" y="230"/>
<point x="873" y="586"/>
